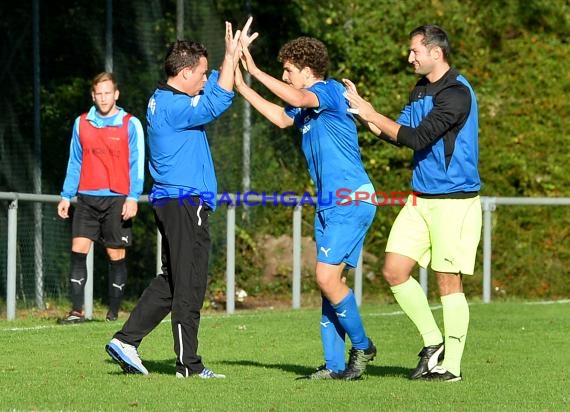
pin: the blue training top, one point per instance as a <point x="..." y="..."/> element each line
<point x="330" y="144"/>
<point x="180" y="158"/>
<point x="440" y="123"/>
<point x="136" y="156"/>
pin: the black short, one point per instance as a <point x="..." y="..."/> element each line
<point x="99" y="218"/>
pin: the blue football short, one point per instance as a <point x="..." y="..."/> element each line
<point x="340" y="231"/>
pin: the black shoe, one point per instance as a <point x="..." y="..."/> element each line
<point x="322" y="373"/>
<point x="441" y="374"/>
<point x="72" y="317"/>
<point x="111" y="316"/>
<point x="430" y="356"/>
<point x="357" y="361"/>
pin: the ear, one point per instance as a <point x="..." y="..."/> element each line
<point x="307" y="72"/>
<point x="436" y="53"/>
<point x="93" y="95"/>
<point x="117" y="93"/>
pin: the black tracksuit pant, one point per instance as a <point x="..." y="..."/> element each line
<point x="180" y="289"/>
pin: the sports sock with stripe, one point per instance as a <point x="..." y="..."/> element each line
<point x="77" y="279"/>
<point x="116" y="283"/>
<point x="456" y="323"/>
<point x="349" y="317"/>
<point x="413" y="301"/>
<point x="332" y="337"/>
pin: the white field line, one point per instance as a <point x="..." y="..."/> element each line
<point x="548" y="302"/>
<point x="238" y="315"/>
<point x="26" y="329"/>
<point x="436" y="307"/>
<point x="235" y="315"/>
<point x="399" y="312"/>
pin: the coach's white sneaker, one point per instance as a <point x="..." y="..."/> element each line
<point x="205" y="374"/>
<point x="126" y="356"/>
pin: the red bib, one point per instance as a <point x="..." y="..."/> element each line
<point x="105" y="161"/>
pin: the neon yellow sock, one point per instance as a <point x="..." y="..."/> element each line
<point x="412" y="299"/>
<point x="456" y="323"/>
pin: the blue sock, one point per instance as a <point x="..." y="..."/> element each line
<point x="332" y="337"/>
<point x="349" y="317"/>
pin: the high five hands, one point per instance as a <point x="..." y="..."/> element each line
<point x="235" y="43"/>
<point x="232" y="44"/>
<point x="233" y="53"/>
<point x="358" y="105"/>
<point x="245" y="41"/>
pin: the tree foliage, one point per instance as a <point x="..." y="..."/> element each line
<point x="514" y="54"/>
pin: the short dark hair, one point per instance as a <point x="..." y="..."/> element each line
<point x="306" y="52"/>
<point x="433" y="36"/>
<point x="103" y="77"/>
<point x="181" y="54"/>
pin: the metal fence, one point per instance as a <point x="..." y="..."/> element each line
<point x="489" y="205"/>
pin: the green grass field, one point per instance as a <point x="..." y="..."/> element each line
<point x="517" y="358"/>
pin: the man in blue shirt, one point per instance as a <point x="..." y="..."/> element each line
<point x="183" y="172"/>
<point x="318" y="108"/>
<point x="443" y="224"/>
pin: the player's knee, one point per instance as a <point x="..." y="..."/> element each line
<point x="116" y="254"/>
<point x="322" y="283"/>
<point x="326" y="282"/>
<point x="391" y="275"/>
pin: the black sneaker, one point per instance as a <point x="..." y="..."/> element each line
<point x="72" y="317"/>
<point x="322" y="373"/>
<point x="441" y="374"/>
<point x="111" y="316"/>
<point x="430" y="356"/>
<point x="357" y="361"/>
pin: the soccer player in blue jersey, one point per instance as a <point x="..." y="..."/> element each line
<point x="183" y="172"/>
<point x="318" y="108"/>
<point x="443" y="225"/>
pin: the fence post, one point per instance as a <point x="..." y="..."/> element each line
<point x="38" y="255"/>
<point x="358" y="280"/>
<point x="231" y="257"/>
<point x="158" y="252"/>
<point x="88" y="291"/>
<point x="11" y="260"/>
<point x="296" y="287"/>
<point x="424" y="279"/>
<point x="489" y="206"/>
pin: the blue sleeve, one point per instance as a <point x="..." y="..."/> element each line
<point x="71" y="183"/>
<point x="203" y="108"/>
<point x="136" y="158"/>
<point x="451" y="108"/>
<point x="404" y="118"/>
<point x="295" y="114"/>
<point x="325" y="95"/>
<point x="292" y="111"/>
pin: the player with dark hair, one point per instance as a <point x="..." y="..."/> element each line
<point x="183" y="172"/>
<point x="443" y="225"/>
<point x="317" y="107"/>
<point x="105" y="170"/>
